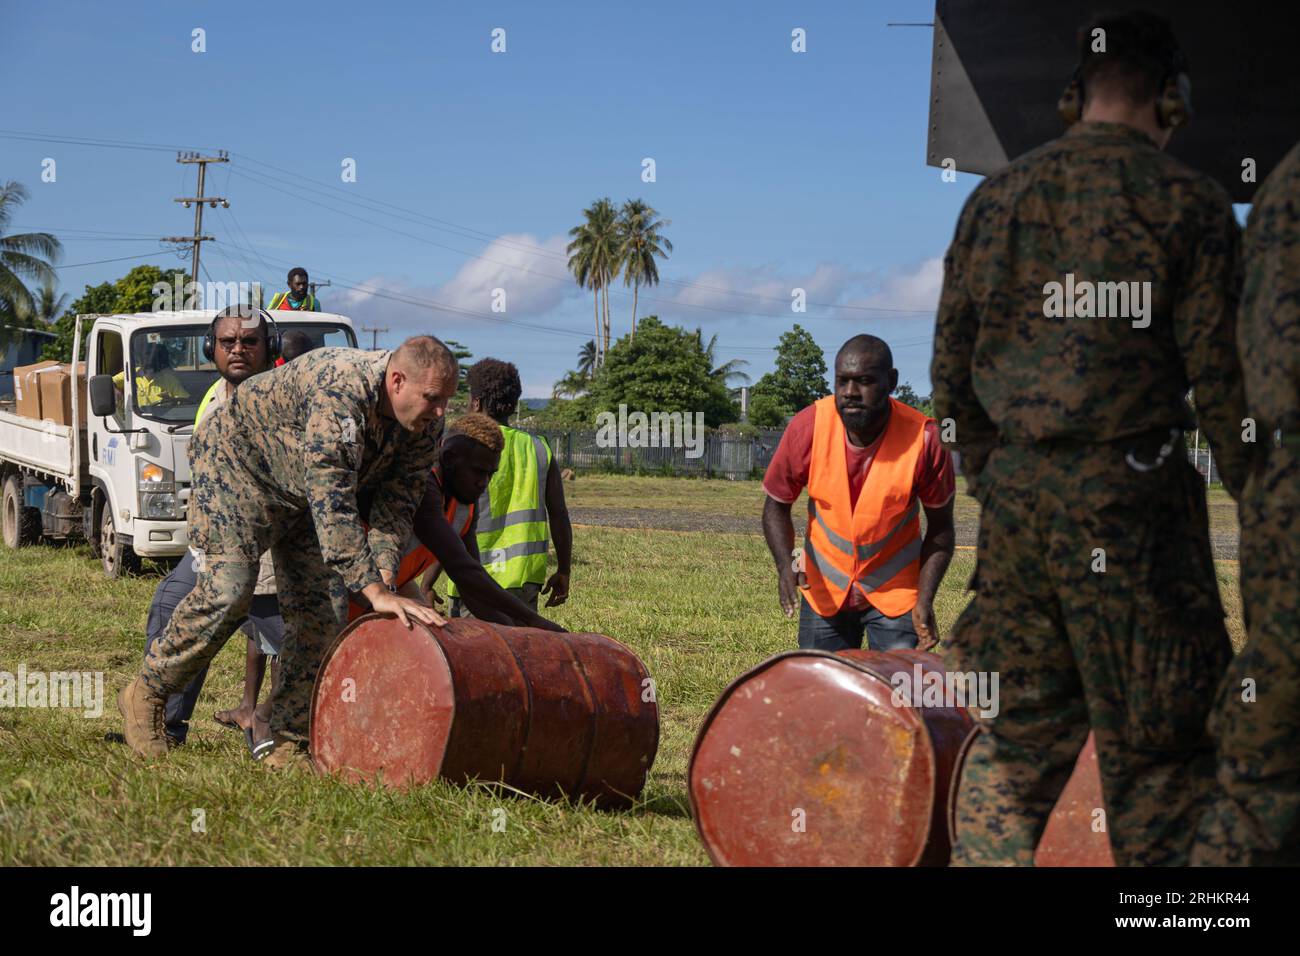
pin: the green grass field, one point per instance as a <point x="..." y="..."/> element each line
<point x="698" y="608"/>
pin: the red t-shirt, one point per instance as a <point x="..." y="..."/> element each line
<point x="787" y="474"/>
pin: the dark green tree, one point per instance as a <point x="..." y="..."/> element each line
<point x="798" y="380"/>
<point x="907" y="395"/>
<point x="664" y="369"/>
<point x="134" y="292"/>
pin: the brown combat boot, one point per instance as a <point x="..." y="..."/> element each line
<point x="143" y="719"/>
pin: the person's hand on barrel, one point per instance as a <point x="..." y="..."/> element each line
<point x="927" y="630"/>
<point x="384" y="601"/>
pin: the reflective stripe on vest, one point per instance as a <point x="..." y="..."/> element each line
<point x="281" y="301"/>
<point x="512" y="528"/>
<point x="874" y="546"/>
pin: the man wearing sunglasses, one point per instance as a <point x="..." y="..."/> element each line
<point x="239" y="353"/>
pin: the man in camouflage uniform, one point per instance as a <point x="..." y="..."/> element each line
<point x="279" y="466"/>
<point x="1095" y="595"/>
<point x="1255" y="817"/>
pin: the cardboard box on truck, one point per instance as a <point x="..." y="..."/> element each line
<point x="27" y="388"/>
<point x="56" y="393"/>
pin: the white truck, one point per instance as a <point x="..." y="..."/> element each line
<point x="121" y="480"/>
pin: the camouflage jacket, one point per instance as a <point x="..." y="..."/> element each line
<point x="1268" y="333"/>
<point x="316" y="425"/>
<point x="1018" y="359"/>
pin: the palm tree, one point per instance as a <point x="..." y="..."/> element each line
<point x="48" y="305"/>
<point x="571" y="385"/>
<point x="727" y="371"/>
<point x="587" y="356"/>
<point x="594" y="261"/>
<point x="639" y="243"/>
<point x="25" y="255"/>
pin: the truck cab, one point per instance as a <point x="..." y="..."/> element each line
<point x="137" y="458"/>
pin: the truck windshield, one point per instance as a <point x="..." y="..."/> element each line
<point x="171" y="374"/>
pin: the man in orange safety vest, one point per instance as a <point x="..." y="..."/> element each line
<point x="870" y="465"/>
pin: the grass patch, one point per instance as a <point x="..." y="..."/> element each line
<point x="699" y="609"/>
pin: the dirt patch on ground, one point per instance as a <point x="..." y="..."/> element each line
<point x="1223" y="541"/>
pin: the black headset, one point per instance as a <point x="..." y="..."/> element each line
<point x="274" y="343"/>
<point x="1173" y="108"/>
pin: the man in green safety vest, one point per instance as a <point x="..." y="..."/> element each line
<point x="523" y="500"/>
<point x="297" y="298"/>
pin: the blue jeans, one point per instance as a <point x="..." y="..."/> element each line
<point x="845" y="630"/>
<point x="263" y="616"/>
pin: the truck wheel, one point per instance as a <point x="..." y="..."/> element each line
<point x="22" y="525"/>
<point x="117" y="557"/>
<point x="90" y="524"/>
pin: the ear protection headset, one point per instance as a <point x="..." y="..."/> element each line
<point x="273" y="338"/>
<point x="1173" y="106"/>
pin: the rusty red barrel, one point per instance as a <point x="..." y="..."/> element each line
<point x="544" y="712"/>
<point x="1070" y="838"/>
<point x="810" y="759"/>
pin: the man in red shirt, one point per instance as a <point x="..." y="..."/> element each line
<point x="867" y="461"/>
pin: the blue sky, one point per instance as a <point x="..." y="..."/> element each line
<point x="777" y="170"/>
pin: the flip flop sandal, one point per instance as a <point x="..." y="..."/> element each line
<point x="259" y="749"/>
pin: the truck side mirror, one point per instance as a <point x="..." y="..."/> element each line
<point x="103" y="396"/>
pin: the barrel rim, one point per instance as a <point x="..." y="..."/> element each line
<point x="954" y="785"/>
<point x="762" y="666"/>
<point x="329" y="655"/>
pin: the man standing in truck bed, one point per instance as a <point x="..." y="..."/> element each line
<point x="279" y="466"/>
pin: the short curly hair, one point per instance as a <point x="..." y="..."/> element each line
<point x="477" y="427"/>
<point x="496" y="385"/>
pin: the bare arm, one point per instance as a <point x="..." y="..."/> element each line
<point x="778" y="530"/>
<point x="557" y="515"/>
<point x="936" y="552"/>
<point x="486" y="599"/>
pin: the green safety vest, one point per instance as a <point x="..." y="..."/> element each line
<point x="281" y="301"/>
<point x="207" y="398"/>
<point x="512" y="529"/>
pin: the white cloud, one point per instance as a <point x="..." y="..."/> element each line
<point x="915" y="289"/>
<point x="534" y="283"/>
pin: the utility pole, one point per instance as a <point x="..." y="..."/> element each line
<point x="374" y="336"/>
<point x="198" y="201"/>
<point x="313" y="286"/>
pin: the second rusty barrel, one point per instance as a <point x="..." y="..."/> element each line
<point x="1076" y="833"/>
<point x="544" y="712"/>
<point x="810" y="759"/>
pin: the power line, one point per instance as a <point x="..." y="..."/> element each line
<point x="565" y="279"/>
<point x="466" y="231"/>
<point x="147" y="255"/>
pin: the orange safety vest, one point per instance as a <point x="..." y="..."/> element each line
<point x="876" y="546"/>
<point x="416" y="558"/>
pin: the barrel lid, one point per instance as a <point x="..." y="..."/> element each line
<point x="383" y="703"/>
<point x="805" y="748"/>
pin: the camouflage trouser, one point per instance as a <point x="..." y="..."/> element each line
<point x="1134" y="651"/>
<point x="1255" y="817"/>
<point x="236" y="512"/>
